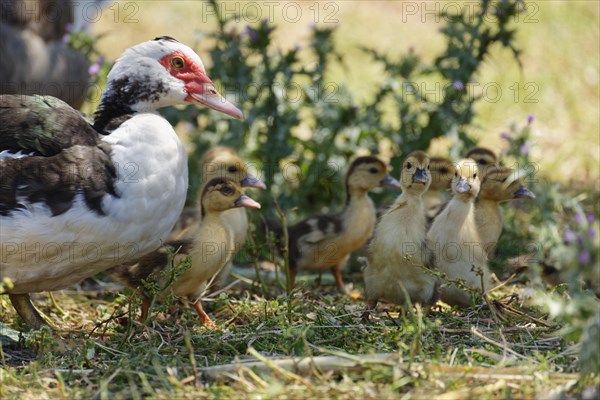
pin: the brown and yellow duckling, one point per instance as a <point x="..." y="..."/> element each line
<point x="454" y="237"/>
<point x="222" y="162"/>
<point x="499" y="184"/>
<point x="324" y="242"/>
<point x="484" y="157"/>
<point x="398" y="252"/>
<point x="210" y="245"/>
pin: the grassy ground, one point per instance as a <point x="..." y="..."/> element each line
<point x="509" y="351"/>
<point x="482" y="352"/>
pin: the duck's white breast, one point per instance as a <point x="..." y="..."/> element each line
<point x="40" y="252"/>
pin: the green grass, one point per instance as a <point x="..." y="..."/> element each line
<point x="98" y="353"/>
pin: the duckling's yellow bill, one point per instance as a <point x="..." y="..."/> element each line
<point x="523" y="193"/>
<point x="420" y="176"/>
<point x="245" y="201"/>
<point x="463" y="186"/>
<point x="252" y="181"/>
<point x="389" y="182"/>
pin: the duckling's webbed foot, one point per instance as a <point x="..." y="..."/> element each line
<point x="22" y="304"/>
<point x="206" y="321"/>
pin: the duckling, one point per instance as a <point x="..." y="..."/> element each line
<point x="484" y="158"/>
<point x="325" y="241"/>
<point x="499" y="184"/>
<point x="223" y="161"/>
<point x="454" y="238"/>
<point x="441" y="173"/>
<point x="398" y="251"/>
<point x="210" y="248"/>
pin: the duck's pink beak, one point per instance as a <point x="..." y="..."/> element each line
<point x="207" y="95"/>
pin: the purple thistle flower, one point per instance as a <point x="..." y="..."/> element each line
<point x="568" y="236"/>
<point x="530" y="118"/>
<point x="66" y="38"/>
<point x="584" y="257"/>
<point x="94" y="69"/>
<point x="505" y="135"/>
<point x="458" y="85"/>
<point x="69" y="26"/>
<point x="524" y="149"/>
<point x="590" y="217"/>
<point x="246" y="30"/>
<point x="101" y="59"/>
<point x="592" y="233"/>
<point x="253" y="35"/>
<point x="579" y="218"/>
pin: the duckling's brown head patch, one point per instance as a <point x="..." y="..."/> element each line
<point x="222" y="161"/>
<point x="219" y="194"/>
<point x="366" y="173"/>
<point x="484" y="158"/>
<point x="442" y="170"/>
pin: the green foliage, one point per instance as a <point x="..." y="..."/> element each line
<point x="301" y="129"/>
<point x="561" y="229"/>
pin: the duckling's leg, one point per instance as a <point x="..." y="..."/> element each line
<point x="337" y="275"/>
<point x="22" y="303"/>
<point x="203" y="316"/>
<point x="145" y="307"/>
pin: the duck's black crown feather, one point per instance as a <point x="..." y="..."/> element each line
<point x="169" y="38"/>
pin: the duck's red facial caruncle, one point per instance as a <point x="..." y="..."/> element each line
<point x="198" y="86"/>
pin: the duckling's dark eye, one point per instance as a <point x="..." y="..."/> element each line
<point x="428" y="168"/>
<point x="227" y="190"/>
<point x="475" y="175"/>
<point x="483" y="162"/>
<point x="232" y="169"/>
<point x="177" y="62"/>
<point x="373" y="170"/>
<point x="456" y="174"/>
<point x="408" y="165"/>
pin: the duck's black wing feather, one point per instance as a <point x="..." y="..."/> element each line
<point x="42" y="125"/>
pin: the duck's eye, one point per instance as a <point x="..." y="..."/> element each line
<point x="232" y="169"/>
<point x="373" y="170"/>
<point x="428" y="168"/>
<point x="177" y="62"/>
<point x="456" y="174"/>
<point x="227" y="190"/>
<point x="408" y="165"/>
<point x="475" y="175"/>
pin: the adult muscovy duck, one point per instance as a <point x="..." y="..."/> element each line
<point x="77" y="198"/>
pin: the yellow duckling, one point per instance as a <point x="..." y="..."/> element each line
<point x="211" y="247"/>
<point x="398" y="252"/>
<point x="324" y="242"/>
<point x="441" y="171"/>
<point x="454" y="238"/>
